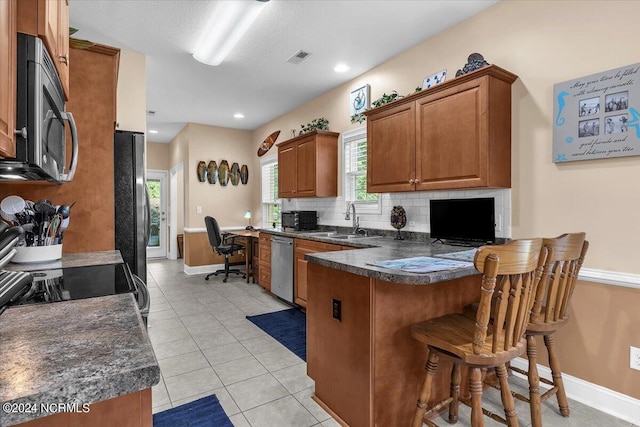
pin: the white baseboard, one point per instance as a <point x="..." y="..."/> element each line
<point x="604" y="400"/>
<point x="202" y="269"/>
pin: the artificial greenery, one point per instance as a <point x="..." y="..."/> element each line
<point x="316" y="124"/>
<point x="78" y="43"/>
<point x="358" y="118"/>
<point x="385" y="99"/>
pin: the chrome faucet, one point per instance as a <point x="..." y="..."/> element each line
<point x="355" y="221"/>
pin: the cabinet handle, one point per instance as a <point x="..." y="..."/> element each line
<point x="21" y="132"/>
<point x="411" y="181"/>
<point x="64" y="59"/>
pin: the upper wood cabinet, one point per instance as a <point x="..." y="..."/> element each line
<point x="49" y="19"/>
<point x="455" y="135"/>
<point x="7" y="78"/>
<point x="308" y="165"/>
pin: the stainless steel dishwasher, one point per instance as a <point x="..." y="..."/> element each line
<point x="282" y="267"/>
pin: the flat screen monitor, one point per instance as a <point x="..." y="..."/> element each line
<point x="463" y="220"/>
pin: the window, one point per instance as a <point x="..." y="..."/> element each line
<point x="270" y="201"/>
<point x="355" y="172"/>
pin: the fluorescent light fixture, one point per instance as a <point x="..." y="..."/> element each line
<point x="230" y="20"/>
<point x="153" y="131"/>
<point x="341" y="68"/>
<point x="238" y="116"/>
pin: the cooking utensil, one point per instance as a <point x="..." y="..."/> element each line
<point x="12" y="205"/>
<point x="45" y="206"/>
<point x="65" y="210"/>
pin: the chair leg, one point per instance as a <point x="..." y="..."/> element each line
<point x="507" y="397"/>
<point x="425" y="393"/>
<point x="534" y="382"/>
<point x="475" y="388"/>
<point x="455" y="394"/>
<point x="556" y="373"/>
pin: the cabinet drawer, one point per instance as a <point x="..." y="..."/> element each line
<point x="265" y="254"/>
<point x="264" y="275"/>
<point x="312" y="246"/>
<point x="264" y="238"/>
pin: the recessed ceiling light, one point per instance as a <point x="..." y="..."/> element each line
<point x="341" y="68"/>
<point x="153" y="131"/>
<point x="238" y="116"/>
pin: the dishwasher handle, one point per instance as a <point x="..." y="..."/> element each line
<point x="281" y="241"/>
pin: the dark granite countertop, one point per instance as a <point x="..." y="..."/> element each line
<point x="81" y="351"/>
<point x="81" y="259"/>
<point x="378" y="248"/>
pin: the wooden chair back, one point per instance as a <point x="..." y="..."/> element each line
<point x="559" y="277"/>
<point x="511" y="273"/>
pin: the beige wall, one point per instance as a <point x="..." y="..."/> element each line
<point x="227" y="204"/>
<point x="131" y="111"/>
<point x="543" y="42"/>
<point x="158" y="156"/>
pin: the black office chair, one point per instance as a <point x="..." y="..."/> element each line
<point x="221" y="247"/>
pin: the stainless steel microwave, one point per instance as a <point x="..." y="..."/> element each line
<point x="40" y="119"/>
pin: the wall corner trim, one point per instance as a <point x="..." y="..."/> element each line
<point x="601" y="398"/>
<point x="625" y="280"/>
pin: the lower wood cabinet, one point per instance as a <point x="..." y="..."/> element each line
<point x="264" y="261"/>
<point x="301" y="248"/>
<point x="130" y="410"/>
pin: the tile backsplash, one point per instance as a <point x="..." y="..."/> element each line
<point x="331" y="210"/>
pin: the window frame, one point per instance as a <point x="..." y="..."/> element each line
<point x="266" y="162"/>
<point x="348" y="177"/>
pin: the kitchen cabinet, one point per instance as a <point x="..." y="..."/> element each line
<point x="49" y="19"/>
<point x="301" y="248"/>
<point x="7" y="78"/>
<point x="308" y="165"/>
<point x="455" y="135"/>
<point x="264" y="262"/>
<point x="255" y="260"/>
<point x="94" y="81"/>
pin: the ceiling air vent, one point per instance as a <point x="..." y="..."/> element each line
<point x="298" y="57"/>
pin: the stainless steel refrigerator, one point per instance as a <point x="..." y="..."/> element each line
<point x="132" y="215"/>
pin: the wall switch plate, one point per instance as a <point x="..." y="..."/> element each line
<point x="337" y="309"/>
<point x="634" y="358"/>
<point x="198" y="209"/>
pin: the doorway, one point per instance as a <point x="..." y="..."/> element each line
<point x="157" y="187"/>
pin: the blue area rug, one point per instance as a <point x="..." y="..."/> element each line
<point x="289" y="327"/>
<point x="204" y="412"/>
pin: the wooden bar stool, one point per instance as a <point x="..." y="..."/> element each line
<point x="550" y="313"/>
<point x="511" y="273"/>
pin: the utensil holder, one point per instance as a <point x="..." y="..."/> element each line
<point x="28" y="254"/>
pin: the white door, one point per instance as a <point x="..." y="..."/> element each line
<point x="157" y="186"/>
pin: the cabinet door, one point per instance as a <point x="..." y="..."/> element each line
<point x="7" y="78"/>
<point x="306" y="168"/>
<point x="62" y="61"/>
<point x="391" y="150"/>
<point x="451" y="143"/>
<point x="303" y="247"/>
<point x="286" y="171"/>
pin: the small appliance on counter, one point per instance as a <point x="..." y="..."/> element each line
<point x="299" y="220"/>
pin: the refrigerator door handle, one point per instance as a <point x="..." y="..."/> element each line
<point x="147" y="216"/>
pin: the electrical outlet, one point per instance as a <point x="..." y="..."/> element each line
<point x="198" y="209"/>
<point x="634" y="358"/>
<point x="337" y="310"/>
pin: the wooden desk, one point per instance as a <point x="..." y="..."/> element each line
<point x="249" y="239"/>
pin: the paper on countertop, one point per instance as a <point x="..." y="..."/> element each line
<point x="422" y="264"/>
<point x="462" y="255"/>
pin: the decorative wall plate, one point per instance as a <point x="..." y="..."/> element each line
<point x="212" y="172"/>
<point x="244" y="174"/>
<point x="223" y="173"/>
<point x="202" y="171"/>
<point x="268" y="143"/>
<point x="235" y="174"/>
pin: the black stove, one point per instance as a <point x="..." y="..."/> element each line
<point x="74" y="283"/>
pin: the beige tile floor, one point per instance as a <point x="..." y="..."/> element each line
<point x="205" y="345"/>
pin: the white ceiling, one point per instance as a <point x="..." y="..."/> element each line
<point x="255" y="78"/>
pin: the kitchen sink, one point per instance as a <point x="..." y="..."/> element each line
<point x="334" y="235"/>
